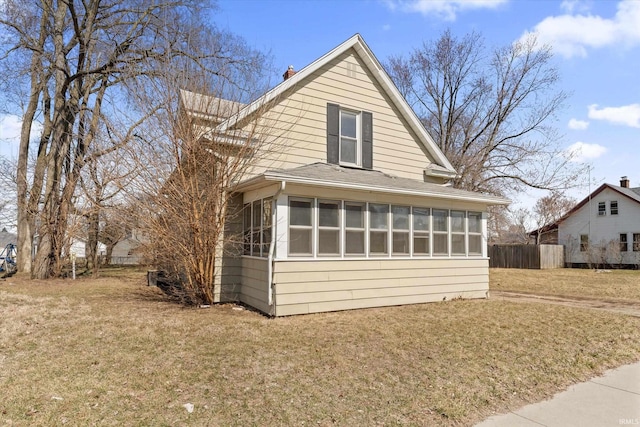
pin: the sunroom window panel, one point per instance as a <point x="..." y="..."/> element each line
<point x="421" y="219"/>
<point x="378" y="242"/>
<point x="354" y="242"/>
<point x="457" y="221"/>
<point x="300" y="212"/>
<point x="329" y="214"/>
<point x="440" y="244"/>
<point x="440" y="220"/>
<point x="378" y="216"/>
<point x="329" y="227"/>
<point x="329" y="242"/>
<point x="421" y="244"/>
<point x="457" y="244"/>
<point x="301" y="226"/>
<point x="475" y="244"/>
<point x="475" y="222"/>
<point x="354" y="228"/>
<point x="400" y="222"/>
<point x="300" y="241"/>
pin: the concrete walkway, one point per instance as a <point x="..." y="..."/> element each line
<point x="610" y="400"/>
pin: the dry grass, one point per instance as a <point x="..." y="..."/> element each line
<point x="115" y="352"/>
<point x="623" y="285"/>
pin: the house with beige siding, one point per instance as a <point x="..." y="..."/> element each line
<point x="355" y="210"/>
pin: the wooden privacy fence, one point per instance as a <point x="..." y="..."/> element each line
<point x="526" y="256"/>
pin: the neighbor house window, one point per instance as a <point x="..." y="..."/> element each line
<point x="440" y="219"/>
<point x="584" y="242"/>
<point x="354" y="228"/>
<point x="602" y="208"/>
<point x="329" y="227"/>
<point x="613" y="207"/>
<point x="349" y="138"/>
<point x="475" y="233"/>
<point x="401" y="232"/>
<point x="624" y="245"/>
<point x="421" y="231"/>
<point x="458" y="246"/>
<point x="378" y="229"/>
<point x="300" y="226"/>
<point x="636" y="242"/>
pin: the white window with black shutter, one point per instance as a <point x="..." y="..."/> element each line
<point x="349" y="137"/>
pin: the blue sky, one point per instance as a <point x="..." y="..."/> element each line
<point x="596" y="45"/>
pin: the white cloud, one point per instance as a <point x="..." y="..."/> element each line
<point x="576" y="124"/>
<point x="628" y="115"/>
<point x="446" y="10"/>
<point x="386" y="27"/>
<point x="10" y="126"/>
<point x="581" y="151"/>
<point x="572" y="35"/>
<point x="570" y="6"/>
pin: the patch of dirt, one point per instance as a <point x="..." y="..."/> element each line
<point x="623" y="307"/>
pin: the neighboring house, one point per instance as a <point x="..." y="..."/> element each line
<point x="604" y="228"/>
<point x="548" y="234"/>
<point x="356" y="211"/>
<point x="127" y="251"/>
<point x="78" y="248"/>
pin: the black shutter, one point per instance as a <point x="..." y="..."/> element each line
<point x="367" y="140"/>
<point x="333" y="134"/>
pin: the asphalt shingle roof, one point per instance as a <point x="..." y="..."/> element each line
<point x="372" y="178"/>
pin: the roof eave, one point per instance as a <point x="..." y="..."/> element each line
<point x="273" y="177"/>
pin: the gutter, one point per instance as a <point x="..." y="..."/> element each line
<point x="272" y="248"/>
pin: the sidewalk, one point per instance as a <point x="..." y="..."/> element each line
<point x="610" y="400"/>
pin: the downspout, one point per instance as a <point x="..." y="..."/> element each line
<point x="272" y="247"/>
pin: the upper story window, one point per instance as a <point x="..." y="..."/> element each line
<point x="613" y="207"/>
<point x="349" y="137"/>
<point x="602" y="208"/>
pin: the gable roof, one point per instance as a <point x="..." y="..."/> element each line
<point x="377" y="70"/>
<point x="631" y="193"/>
<point x="329" y="175"/>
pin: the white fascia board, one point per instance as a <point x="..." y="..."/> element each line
<point x="488" y="200"/>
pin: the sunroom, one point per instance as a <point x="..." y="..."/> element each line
<point x="324" y="237"/>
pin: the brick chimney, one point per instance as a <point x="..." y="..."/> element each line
<point x="289" y="73"/>
<point x="624" y="182"/>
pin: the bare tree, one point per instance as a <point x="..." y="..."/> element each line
<point x="549" y="209"/>
<point x="185" y="199"/>
<point x="72" y="58"/>
<point x="489" y="111"/>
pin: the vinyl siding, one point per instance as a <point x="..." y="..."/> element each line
<point x="601" y="229"/>
<point x="254" y="289"/>
<point x="297" y="122"/>
<point x="315" y="285"/>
